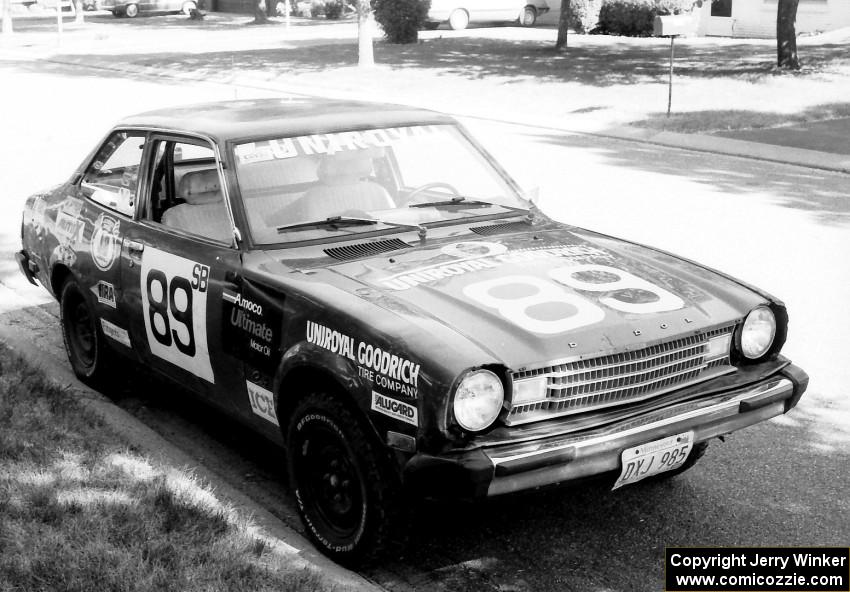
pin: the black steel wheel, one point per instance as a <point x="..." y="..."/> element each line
<point x="84" y="341"/>
<point x="347" y="497"/>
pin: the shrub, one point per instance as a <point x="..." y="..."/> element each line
<point x="333" y="10"/>
<point x="401" y="19"/>
<point x="634" y="18"/>
<point x="584" y="14"/>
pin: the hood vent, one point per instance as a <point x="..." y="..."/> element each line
<point x="359" y="250"/>
<point x="501" y="228"/>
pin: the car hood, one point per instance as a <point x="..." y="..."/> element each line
<point x="547" y="295"/>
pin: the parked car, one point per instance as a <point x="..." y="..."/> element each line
<point x="459" y="13"/>
<point x="133" y="8"/>
<point x="366" y="287"/>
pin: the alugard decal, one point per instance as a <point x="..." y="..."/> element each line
<point x="105" y="242"/>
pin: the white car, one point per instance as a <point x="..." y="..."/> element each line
<point x="459" y="13"/>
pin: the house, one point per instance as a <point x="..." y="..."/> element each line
<point x="757" y="18"/>
<point x="750" y="18"/>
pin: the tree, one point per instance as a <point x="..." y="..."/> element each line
<point x="365" y="51"/>
<point x="260" y="16"/>
<point x="563" y="24"/>
<point x="786" y="35"/>
<point x="6" y="9"/>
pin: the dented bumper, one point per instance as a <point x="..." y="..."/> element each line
<point x="576" y="457"/>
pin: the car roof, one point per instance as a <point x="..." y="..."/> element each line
<point x="247" y="119"/>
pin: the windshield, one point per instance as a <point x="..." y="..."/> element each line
<point x="400" y="177"/>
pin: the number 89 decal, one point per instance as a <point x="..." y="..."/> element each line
<point x="543" y="306"/>
<point x="174" y="298"/>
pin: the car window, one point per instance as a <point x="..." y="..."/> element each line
<point x="186" y="191"/>
<point x="112" y="178"/>
<point x="390" y="175"/>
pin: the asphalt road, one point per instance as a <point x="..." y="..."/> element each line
<point x="784" y="228"/>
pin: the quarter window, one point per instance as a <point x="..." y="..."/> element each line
<point x="112" y="179"/>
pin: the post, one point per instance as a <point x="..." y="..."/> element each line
<point x="287" y="21"/>
<point x="670" y="83"/>
<point x="59" y="22"/>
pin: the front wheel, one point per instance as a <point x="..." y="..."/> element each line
<point x="84" y="342"/>
<point x="348" y="500"/>
<point x="132" y="10"/>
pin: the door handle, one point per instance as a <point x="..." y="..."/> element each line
<point x="135" y="247"/>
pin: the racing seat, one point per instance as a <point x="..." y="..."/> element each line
<point x="203" y="212"/>
<point x="344" y="186"/>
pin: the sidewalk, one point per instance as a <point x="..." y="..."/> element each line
<point x="506" y="74"/>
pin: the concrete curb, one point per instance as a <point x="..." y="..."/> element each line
<point x="696" y="142"/>
<point x="813" y="159"/>
<point x="282" y="540"/>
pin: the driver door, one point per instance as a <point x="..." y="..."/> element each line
<point x="179" y="257"/>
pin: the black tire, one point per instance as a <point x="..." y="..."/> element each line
<point x="697" y="452"/>
<point x="348" y="499"/>
<point x="131" y="11"/>
<point x="528" y="16"/>
<point x="84" y="340"/>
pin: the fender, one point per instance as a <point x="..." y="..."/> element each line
<point x="342" y="371"/>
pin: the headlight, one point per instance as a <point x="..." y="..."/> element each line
<point x="758" y="332"/>
<point x="478" y="400"/>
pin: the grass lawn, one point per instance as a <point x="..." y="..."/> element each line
<point x="81" y="511"/>
<point x="597" y="83"/>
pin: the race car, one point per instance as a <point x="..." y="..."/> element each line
<point x="365" y="286"/>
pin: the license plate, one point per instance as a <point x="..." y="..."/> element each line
<point x="654" y="457"/>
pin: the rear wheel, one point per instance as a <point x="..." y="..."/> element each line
<point x="132" y="10"/>
<point x="84" y="341"/>
<point x="188" y="7"/>
<point x="348" y="499"/>
<point x="528" y="16"/>
<point x="459" y="19"/>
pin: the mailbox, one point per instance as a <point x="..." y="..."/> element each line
<point x="674" y="25"/>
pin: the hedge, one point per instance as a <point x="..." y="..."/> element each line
<point x="634" y="18"/>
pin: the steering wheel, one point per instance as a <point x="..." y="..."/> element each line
<point x="434" y="185"/>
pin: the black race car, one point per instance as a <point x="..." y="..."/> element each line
<point x="365" y="286"/>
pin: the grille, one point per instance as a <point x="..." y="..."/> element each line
<point x="501" y="228"/>
<point x="586" y="385"/>
<point x="358" y="250"/>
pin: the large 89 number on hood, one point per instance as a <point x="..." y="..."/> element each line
<point x="517" y="296"/>
<point x="174" y="297"/>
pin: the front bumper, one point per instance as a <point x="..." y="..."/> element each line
<point x="572" y="458"/>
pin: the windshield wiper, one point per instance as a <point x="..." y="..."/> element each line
<point x="462" y="201"/>
<point x="337" y="221"/>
